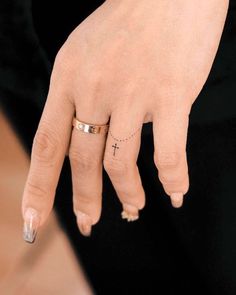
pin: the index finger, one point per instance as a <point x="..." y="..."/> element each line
<point x="47" y="157"/>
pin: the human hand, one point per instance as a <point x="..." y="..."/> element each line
<point x="130" y="62"/>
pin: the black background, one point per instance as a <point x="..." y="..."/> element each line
<point x="189" y="250"/>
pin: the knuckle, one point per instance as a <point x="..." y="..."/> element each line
<point x="35" y="190"/>
<point x="168" y="82"/>
<point x="176" y="181"/>
<point x="82" y="162"/>
<point x="82" y="201"/>
<point x="45" y="145"/>
<point x="115" y="168"/>
<point x="89" y="205"/>
<point x="63" y="65"/>
<point x="169" y="179"/>
<point x="94" y="78"/>
<point x="171" y="187"/>
<point x="165" y="160"/>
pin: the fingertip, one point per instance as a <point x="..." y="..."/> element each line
<point x="84" y="222"/>
<point x="177" y="199"/>
<point x="130" y="208"/>
<point x="130" y="212"/>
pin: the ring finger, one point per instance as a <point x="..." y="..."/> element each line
<point x="86" y="153"/>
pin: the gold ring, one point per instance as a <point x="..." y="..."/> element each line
<point x="89" y="128"/>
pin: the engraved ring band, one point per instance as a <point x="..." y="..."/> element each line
<point x="90" y="128"/>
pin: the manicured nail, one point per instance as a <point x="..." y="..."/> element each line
<point x="130" y="212"/>
<point x="128" y="216"/>
<point x="31" y="223"/>
<point x="176" y="199"/>
<point x="84" y="223"/>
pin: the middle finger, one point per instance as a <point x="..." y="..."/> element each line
<point x="120" y="159"/>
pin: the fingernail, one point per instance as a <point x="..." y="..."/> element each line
<point x="130" y="212"/>
<point x="84" y="223"/>
<point x="31" y="223"/>
<point x="176" y="199"/>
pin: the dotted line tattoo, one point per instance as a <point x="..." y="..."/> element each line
<point x="115" y="146"/>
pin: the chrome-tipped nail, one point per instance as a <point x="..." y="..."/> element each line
<point x="31" y="223"/>
<point x="130" y="212"/>
<point x="84" y="223"/>
<point x="176" y="199"/>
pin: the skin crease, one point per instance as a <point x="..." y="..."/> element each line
<point x="133" y="62"/>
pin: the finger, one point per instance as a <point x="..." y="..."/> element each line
<point x="48" y="152"/>
<point x="86" y="155"/>
<point x="170" y="135"/>
<point x="120" y="159"/>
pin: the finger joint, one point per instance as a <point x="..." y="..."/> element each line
<point x="115" y="168"/>
<point x="36" y="190"/>
<point x="165" y="160"/>
<point x="45" y="146"/>
<point x="83" y="162"/>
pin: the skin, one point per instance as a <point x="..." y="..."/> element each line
<point x="132" y="62"/>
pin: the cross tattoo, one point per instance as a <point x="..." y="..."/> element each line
<point x="115" y="147"/>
